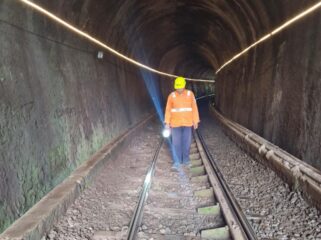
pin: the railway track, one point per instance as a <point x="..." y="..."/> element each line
<point x="192" y="202"/>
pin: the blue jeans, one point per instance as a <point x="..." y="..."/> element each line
<point x="181" y="143"/>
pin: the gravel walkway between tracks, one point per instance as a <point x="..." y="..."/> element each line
<point x="274" y="211"/>
<point x="108" y="204"/>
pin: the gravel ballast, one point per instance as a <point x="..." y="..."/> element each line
<point x="108" y="203"/>
<point x="274" y="211"/>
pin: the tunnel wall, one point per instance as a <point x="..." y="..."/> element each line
<point x="275" y="90"/>
<point x="58" y="104"/>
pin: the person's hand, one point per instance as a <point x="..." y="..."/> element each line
<point x="195" y="125"/>
<point x="167" y="126"/>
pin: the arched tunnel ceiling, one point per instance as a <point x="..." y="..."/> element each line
<point x="208" y="32"/>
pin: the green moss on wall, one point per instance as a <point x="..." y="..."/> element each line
<point x="4" y="221"/>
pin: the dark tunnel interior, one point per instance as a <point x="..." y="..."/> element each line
<point x="59" y="103"/>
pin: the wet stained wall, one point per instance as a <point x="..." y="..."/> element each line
<point x="58" y="105"/>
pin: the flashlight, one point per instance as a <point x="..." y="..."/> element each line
<point x="166" y="132"/>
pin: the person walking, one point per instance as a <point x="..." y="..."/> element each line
<point x="181" y="115"/>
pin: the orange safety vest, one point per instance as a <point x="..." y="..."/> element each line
<point x="181" y="109"/>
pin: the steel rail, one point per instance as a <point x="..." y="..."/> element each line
<point x="137" y="216"/>
<point x="232" y="202"/>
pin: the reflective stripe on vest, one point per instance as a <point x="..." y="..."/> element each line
<point x="174" y="95"/>
<point x="181" y="109"/>
<point x="188" y="93"/>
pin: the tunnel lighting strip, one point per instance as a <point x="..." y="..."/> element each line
<point x="275" y="31"/>
<point x="113" y="51"/>
<point x="101" y="44"/>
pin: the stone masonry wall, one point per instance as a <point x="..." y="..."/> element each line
<point x="58" y="105"/>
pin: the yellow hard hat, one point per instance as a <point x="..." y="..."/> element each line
<point x="179" y="83"/>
